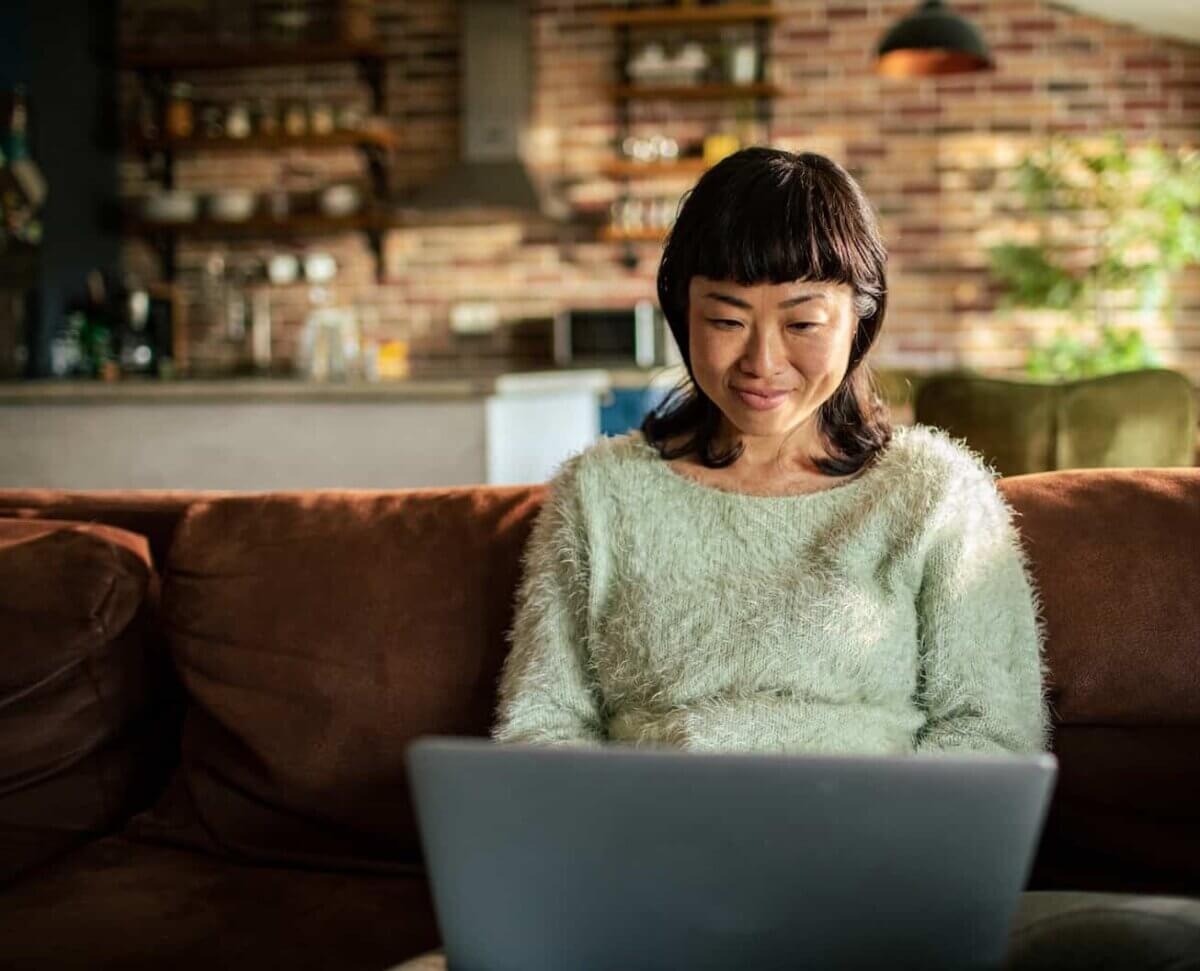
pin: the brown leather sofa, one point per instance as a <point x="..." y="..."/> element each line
<point x="205" y="701"/>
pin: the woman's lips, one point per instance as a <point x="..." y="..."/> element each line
<point x="761" y="402"/>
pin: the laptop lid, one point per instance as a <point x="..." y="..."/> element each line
<point x="564" y="858"/>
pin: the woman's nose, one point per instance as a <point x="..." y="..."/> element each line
<point x="762" y="356"/>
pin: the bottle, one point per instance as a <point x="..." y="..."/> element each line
<point x="180" y="121"/>
<point x="136" y="351"/>
<point x="260" y="332"/>
<point x="98" y="337"/>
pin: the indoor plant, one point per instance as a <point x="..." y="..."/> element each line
<point x="1112" y="222"/>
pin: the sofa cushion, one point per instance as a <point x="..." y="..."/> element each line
<point x="73" y="680"/>
<point x="316" y="634"/>
<point x="122" y="904"/>
<point x="1114" y="556"/>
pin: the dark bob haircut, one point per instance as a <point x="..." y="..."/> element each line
<point x="766" y="215"/>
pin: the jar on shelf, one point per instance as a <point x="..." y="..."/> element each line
<point x="180" y="114"/>
<point x="237" y="120"/>
<point x="212" y="120"/>
<point x="320" y="118"/>
<point x="740" y="54"/>
<point x="295" y="119"/>
<point x="350" y="117"/>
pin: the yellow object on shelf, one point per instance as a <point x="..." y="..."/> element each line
<point x="392" y="360"/>
<point x="717" y="147"/>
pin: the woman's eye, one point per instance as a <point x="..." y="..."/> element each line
<point x="721" y="322"/>
<point x="801" y="325"/>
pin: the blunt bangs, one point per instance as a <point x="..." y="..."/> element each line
<point x="770" y="232"/>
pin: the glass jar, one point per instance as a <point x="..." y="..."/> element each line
<point x="295" y="119"/>
<point x="180" y="114"/>
<point x="237" y="120"/>
<point x="320" y="118"/>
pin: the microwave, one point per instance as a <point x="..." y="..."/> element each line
<point x="636" y="336"/>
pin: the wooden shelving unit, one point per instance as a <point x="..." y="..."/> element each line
<point x="729" y="13"/>
<point x="163" y="62"/>
<point x="703" y="19"/>
<point x="159" y="65"/>
<point x="612" y="234"/>
<point x="629" y="169"/>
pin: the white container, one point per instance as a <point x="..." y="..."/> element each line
<point x="340" y="200"/>
<point x="742" y="63"/>
<point x="172" y="206"/>
<point x="232" y="205"/>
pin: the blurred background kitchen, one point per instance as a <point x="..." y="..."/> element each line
<point x="259" y="244"/>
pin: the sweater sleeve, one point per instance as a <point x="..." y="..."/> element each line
<point x="981" y="681"/>
<point x="547" y="693"/>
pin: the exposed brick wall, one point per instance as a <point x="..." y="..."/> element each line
<point x="934" y="156"/>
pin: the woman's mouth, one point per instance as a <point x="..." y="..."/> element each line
<point x="761" y="400"/>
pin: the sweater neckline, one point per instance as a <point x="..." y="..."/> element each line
<point x="663" y="467"/>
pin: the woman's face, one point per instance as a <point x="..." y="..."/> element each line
<point x="769" y="355"/>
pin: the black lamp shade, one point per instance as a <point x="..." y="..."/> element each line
<point x="933" y="40"/>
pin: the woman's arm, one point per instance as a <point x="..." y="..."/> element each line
<point x="982" y="676"/>
<point x="547" y="693"/>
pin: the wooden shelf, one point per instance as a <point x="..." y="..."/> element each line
<point x="611" y="234"/>
<point x="306" y="224"/>
<point x="694" y="92"/>
<point x="626" y="169"/>
<point x="213" y="57"/>
<point x="369" y="138"/>
<point x="165" y="236"/>
<point x="676" y="15"/>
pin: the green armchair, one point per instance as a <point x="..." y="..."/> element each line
<point x="1131" y="419"/>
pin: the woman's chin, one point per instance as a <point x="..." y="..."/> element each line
<point x="777" y="421"/>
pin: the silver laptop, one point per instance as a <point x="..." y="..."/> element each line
<point x="563" y="858"/>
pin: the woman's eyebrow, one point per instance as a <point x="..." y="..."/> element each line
<point x="745" y="305"/>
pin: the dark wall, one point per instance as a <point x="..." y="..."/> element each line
<point x="14" y="43"/>
<point x="62" y="50"/>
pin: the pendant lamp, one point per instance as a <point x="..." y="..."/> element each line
<point x="932" y="40"/>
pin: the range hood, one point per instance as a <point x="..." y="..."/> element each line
<point x="495" y="87"/>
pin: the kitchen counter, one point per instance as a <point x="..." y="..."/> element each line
<point x="443" y="385"/>
<point x="432" y="429"/>
<point x="239" y="389"/>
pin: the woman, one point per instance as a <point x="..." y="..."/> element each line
<point x="767" y="565"/>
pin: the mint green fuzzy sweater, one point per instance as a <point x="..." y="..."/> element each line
<point x="891" y="614"/>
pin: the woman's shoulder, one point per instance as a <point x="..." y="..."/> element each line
<point x="607" y="459"/>
<point x="947" y="483"/>
<point x="933" y="455"/>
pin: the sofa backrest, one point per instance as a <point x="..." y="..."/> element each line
<point x="154" y="514"/>
<point x="1116" y="557"/>
<point x="317" y="633"/>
